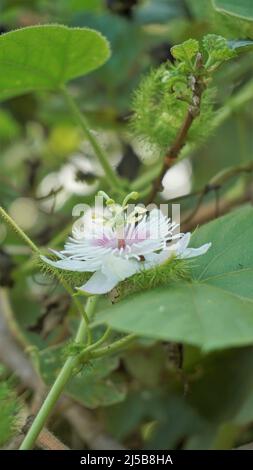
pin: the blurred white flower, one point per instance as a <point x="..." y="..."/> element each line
<point x="65" y="182"/>
<point x="68" y="176"/>
<point x="81" y="174"/>
<point x="177" y="180"/>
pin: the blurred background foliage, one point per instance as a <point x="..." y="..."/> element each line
<point x="145" y="398"/>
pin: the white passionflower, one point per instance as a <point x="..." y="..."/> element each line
<point x="116" y="247"/>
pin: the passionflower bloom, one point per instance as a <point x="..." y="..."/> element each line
<point x="117" y="245"/>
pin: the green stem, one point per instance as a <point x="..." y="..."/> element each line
<point x="81" y="120"/>
<point x="58" y="386"/>
<point x="114" y="347"/>
<point x="18" y="230"/>
<point x="76" y="302"/>
<point x="93" y="346"/>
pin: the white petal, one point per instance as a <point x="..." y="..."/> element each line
<point x="159" y="225"/>
<point x="192" y="252"/>
<point x="183" y="243"/>
<point x="72" y="265"/>
<point x="99" y="283"/>
<point x="146" y="246"/>
<point x="119" y="267"/>
<point x="86" y="248"/>
<point x="154" y="259"/>
<point x="114" y="270"/>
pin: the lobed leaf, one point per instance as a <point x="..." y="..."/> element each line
<point x="185" y="51"/>
<point x="217" y="47"/>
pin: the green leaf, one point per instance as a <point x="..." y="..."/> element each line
<point x="239" y="8"/>
<point x="147" y="365"/>
<point x="140" y="406"/>
<point x="185" y="51"/>
<point x="214" y="41"/>
<point x="97" y="393"/>
<point x="231" y="254"/>
<point x="215" y="310"/>
<point x="214" y="419"/>
<point x="92" y="385"/>
<point x="217" y="47"/>
<point x="47" y="56"/>
<point x="228" y="375"/>
<point x="9" y="128"/>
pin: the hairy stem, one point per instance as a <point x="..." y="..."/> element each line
<point x="96" y="344"/>
<point x="102" y="157"/>
<point x="58" y="386"/>
<point x="18" y="230"/>
<point x="181" y="137"/>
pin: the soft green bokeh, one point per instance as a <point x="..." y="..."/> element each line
<point x="241" y="9"/>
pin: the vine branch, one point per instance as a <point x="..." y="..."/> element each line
<point x="197" y="87"/>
